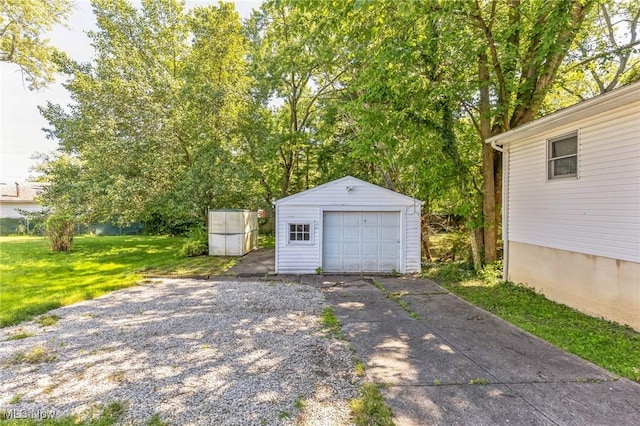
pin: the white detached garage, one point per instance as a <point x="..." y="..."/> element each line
<point x="347" y="225"/>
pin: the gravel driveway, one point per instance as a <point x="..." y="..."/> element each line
<point x="190" y="351"/>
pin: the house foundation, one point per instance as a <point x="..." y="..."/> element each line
<point x="596" y="285"/>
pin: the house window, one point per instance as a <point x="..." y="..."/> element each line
<point x="562" y="159"/>
<point x="299" y="232"/>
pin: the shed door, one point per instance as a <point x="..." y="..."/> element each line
<point x="361" y="242"/>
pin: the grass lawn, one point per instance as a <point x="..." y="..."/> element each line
<point x="33" y="279"/>
<point x="607" y="344"/>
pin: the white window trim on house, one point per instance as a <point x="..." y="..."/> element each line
<point x="550" y="160"/>
<point x="299" y="233"/>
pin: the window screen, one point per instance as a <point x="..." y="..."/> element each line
<point x="563" y="157"/>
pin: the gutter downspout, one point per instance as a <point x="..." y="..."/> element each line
<point x="275" y="214"/>
<point x="505" y="207"/>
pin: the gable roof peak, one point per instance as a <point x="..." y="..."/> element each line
<point x="343" y="180"/>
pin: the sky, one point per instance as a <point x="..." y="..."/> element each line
<point x="21" y="124"/>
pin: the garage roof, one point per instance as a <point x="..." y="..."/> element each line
<point x="348" y="190"/>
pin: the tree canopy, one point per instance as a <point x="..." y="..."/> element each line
<point x="180" y="110"/>
<point x="152" y="133"/>
<point x="23" y="25"/>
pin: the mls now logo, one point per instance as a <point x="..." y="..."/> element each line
<point x="15" y="413"/>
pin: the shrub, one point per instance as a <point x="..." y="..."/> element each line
<point x="197" y="243"/>
<point x="449" y="272"/>
<point x="194" y="248"/>
<point x="451" y="246"/>
<point x="198" y="233"/>
<point x="59" y="229"/>
<point x="492" y="272"/>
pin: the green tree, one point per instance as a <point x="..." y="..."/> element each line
<point x="518" y="48"/>
<point x="428" y="72"/>
<point x="388" y="117"/>
<point x="183" y="110"/>
<point x="153" y="124"/>
<point x="605" y="54"/>
<point x="295" y="66"/>
<point x="23" y="25"/>
<point x="416" y="87"/>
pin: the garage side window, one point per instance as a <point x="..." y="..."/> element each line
<point x="299" y="232"/>
<point x="562" y="158"/>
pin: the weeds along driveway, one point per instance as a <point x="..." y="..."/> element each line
<point x="188" y="351"/>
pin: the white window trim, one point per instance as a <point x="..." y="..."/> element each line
<point x="548" y="160"/>
<point x="300" y="242"/>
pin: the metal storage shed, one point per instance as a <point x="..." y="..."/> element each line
<point x="347" y="225"/>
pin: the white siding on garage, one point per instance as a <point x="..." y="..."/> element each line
<point x="413" y="247"/>
<point x="297" y="257"/>
<point x="344" y="195"/>
<point x="598" y="213"/>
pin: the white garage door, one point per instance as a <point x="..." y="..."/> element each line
<point x="361" y="242"/>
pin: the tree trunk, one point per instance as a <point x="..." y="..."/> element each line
<point x="287" y="169"/>
<point x="497" y="181"/>
<point x="426" y="252"/>
<point x="286" y="181"/>
<point x="475" y="236"/>
<point x="490" y="237"/>
<point x="489" y="204"/>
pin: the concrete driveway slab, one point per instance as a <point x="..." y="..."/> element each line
<point x="461" y="405"/>
<point x="405" y="353"/>
<point x="410" y="285"/>
<point x="459" y="364"/>
<point x="359" y="290"/>
<point x="355" y="300"/>
<point x="447" y="310"/>
<point x="602" y="403"/>
<point x="256" y="263"/>
<point x="508" y="353"/>
<point x="349" y="309"/>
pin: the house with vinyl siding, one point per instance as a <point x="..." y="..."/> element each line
<point x="347" y="226"/>
<point x="571" y="205"/>
<point x="18" y="197"/>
